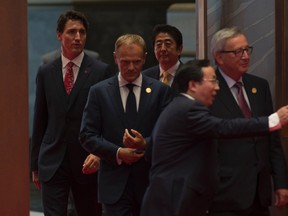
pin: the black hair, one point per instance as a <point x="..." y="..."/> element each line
<point x="71" y="15"/>
<point x="171" y="30"/>
<point x="192" y="70"/>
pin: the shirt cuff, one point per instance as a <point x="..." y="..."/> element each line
<point x="274" y="122"/>
<point x="119" y="161"/>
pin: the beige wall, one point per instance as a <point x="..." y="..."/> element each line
<point x="14" y="181"/>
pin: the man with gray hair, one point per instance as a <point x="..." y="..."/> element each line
<point x="246" y="164"/>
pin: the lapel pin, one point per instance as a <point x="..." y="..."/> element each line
<point x="254" y="90"/>
<point x="148" y="90"/>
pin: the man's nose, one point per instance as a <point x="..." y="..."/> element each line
<point x="131" y="66"/>
<point x="163" y="46"/>
<point x="77" y="35"/>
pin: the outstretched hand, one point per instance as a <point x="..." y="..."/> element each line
<point x="283" y="115"/>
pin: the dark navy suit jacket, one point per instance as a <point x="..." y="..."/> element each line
<point x="247" y="163"/>
<point x="103" y="128"/>
<point x="154" y="72"/>
<point x="183" y="175"/>
<point x="57" y="117"/>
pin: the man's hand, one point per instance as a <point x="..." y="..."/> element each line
<point x="281" y="198"/>
<point x="137" y="141"/>
<point x="129" y="155"/>
<point x="91" y="164"/>
<point x="283" y="115"/>
<point x="35" y="179"/>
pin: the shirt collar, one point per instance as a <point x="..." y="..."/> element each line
<point x="230" y="82"/>
<point x="123" y="82"/>
<point x="171" y="70"/>
<point x="188" y="96"/>
<point x="77" y="61"/>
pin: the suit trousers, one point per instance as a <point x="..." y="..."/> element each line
<point x="127" y="205"/>
<point x="56" y="191"/>
<point x="255" y="210"/>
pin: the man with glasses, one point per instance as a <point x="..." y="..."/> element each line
<point x="183" y="175"/>
<point x="246" y="165"/>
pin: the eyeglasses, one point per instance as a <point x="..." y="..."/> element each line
<point x="239" y="52"/>
<point x="214" y="81"/>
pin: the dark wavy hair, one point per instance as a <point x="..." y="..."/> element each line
<point x="71" y="15"/>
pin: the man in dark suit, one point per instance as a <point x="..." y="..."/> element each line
<point x="183" y="175"/>
<point x="168" y="46"/>
<point x="123" y="172"/>
<point x="246" y="165"/>
<point x="46" y="58"/>
<point x="58" y="162"/>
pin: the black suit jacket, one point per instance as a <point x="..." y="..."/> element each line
<point x="103" y="128"/>
<point x="183" y="175"/>
<point x="57" y="117"/>
<point x="154" y="72"/>
<point x="247" y="163"/>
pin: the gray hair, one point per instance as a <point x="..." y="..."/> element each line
<point x="219" y="39"/>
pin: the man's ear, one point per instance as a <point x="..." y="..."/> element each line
<point x="145" y="56"/>
<point x="115" y="57"/>
<point x="218" y="58"/>
<point x="59" y="36"/>
<point x="192" y="86"/>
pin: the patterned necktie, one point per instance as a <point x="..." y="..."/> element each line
<point x="241" y="100"/>
<point x="69" y="78"/>
<point x="166" y="78"/>
<point x="131" y="107"/>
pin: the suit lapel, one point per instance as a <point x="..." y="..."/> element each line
<point x="251" y="91"/>
<point x="115" y="98"/>
<point x="57" y="80"/>
<point x="174" y="85"/>
<point x="145" y="98"/>
<point x="226" y="97"/>
<point x="83" y="74"/>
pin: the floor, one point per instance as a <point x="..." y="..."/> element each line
<point x="36" y="208"/>
<point x="35" y="200"/>
<point x="33" y="213"/>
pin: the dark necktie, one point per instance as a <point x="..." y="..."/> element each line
<point x="241" y="100"/>
<point x="131" y="107"/>
<point x="69" y="78"/>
